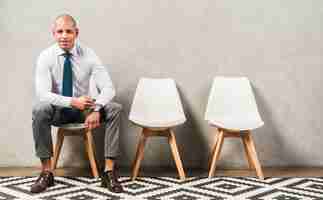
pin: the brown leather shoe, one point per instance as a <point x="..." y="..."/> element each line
<point x="45" y="180"/>
<point x="110" y="180"/>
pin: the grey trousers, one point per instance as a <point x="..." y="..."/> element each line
<point x="44" y="115"/>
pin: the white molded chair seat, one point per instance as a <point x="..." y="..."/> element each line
<point x="157" y="104"/>
<point x="232" y="109"/>
<point x="234" y="124"/>
<point x="232" y="105"/>
<point x="157" y="108"/>
<point x="73" y="126"/>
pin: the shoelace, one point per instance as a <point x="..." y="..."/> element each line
<point x="113" y="178"/>
<point x="43" y="177"/>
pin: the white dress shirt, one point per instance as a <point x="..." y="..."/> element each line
<point x="85" y="65"/>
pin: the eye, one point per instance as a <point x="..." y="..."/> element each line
<point x="59" y="31"/>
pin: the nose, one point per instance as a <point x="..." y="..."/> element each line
<point x="64" y="35"/>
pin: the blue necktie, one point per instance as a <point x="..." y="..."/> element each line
<point x="67" y="76"/>
<point x="70" y="114"/>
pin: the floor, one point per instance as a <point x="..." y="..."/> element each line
<point x="160" y="184"/>
<point x="269" y="172"/>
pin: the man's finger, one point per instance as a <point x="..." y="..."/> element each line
<point x="90" y="125"/>
<point x="97" y="124"/>
<point x="94" y="124"/>
<point x="86" y="124"/>
<point x="89" y="101"/>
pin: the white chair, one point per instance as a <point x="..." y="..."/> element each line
<point x="157" y="108"/>
<point x="78" y="129"/>
<point x="233" y="111"/>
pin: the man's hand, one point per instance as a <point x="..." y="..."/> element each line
<point x="92" y="121"/>
<point x="82" y="102"/>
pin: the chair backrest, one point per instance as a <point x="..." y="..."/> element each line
<point x="157" y="104"/>
<point x="232" y="104"/>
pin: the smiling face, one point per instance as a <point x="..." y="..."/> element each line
<point x="65" y="32"/>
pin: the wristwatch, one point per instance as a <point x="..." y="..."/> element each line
<point x="97" y="107"/>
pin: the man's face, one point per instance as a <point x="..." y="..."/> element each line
<point x="65" y="33"/>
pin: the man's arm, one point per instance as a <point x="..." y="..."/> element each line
<point x="103" y="82"/>
<point x="43" y="84"/>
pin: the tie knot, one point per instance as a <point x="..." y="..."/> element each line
<point x="67" y="54"/>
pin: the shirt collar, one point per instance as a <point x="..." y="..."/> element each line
<point x="60" y="51"/>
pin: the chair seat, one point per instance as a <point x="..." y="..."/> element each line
<point x="73" y="126"/>
<point x="232" y="124"/>
<point x="155" y="123"/>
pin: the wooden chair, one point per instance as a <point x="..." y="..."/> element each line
<point x="233" y="111"/>
<point x="76" y="130"/>
<point x="157" y="109"/>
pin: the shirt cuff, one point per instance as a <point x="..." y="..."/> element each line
<point x="97" y="107"/>
<point x="67" y="102"/>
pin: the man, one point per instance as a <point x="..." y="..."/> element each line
<point x="63" y="75"/>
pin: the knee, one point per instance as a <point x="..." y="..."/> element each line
<point x="117" y="107"/>
<point x="113" y="108"/>
<point x="42" y="110"/>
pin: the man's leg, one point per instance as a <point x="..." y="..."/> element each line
<point x="42" y="116"/>
<point x="112" y="127"/>
<point x="111" y="117"/>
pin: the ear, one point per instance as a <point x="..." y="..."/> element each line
<point x="53" y="30"/>
<point x="77" y="31"/>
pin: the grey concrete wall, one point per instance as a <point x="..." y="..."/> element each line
<point x="277" y="44"/>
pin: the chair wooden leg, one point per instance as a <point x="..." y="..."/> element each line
<point x="173" y="146"/>
<point x="253" y="155"/>
<point x="216" y="152"/>
<point x="90" y="151"/>
<point x="58" y="147"/>
<point x="139" y="154"/>
<point x="247" y="151"/>
<point x="213" y="150"/>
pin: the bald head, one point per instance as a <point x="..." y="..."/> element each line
<point x="66" y="18"/>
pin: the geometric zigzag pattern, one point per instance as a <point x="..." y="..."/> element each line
<point x="162" y="188"/>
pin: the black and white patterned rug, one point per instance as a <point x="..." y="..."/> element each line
<point x="162" y="188"/>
